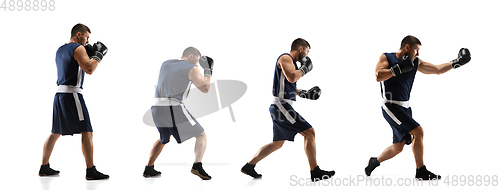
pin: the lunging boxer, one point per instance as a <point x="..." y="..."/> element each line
<point x="396" y="72"/>
<point x="286" y="121"/>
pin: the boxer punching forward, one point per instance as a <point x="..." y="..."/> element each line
<point x="396" y="72"/>
<point x="70" y="114"/>
<point x="169" y="113"/>
<point x="286" y="121"/>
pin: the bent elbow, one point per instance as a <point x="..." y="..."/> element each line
<point x="292" y="81"/>
<point x="89" y="72"/>
<point x="294" y="78"/>
<point x="205" y="88"/>
<point x="378" y="78"/>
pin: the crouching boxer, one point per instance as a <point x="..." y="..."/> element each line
<point x="169" y="113"/>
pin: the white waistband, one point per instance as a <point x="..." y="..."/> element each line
<point x="174" y="102"/>
<point x="279" y="103"/>
<point x="167" y="102"/>
<point x="405" y="104"/>
<point x="69" y="89"/>
<point x="75" y="91"/>
<point x="281" y="100"/>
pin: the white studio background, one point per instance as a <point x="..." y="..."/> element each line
<point x="457" y="110"/>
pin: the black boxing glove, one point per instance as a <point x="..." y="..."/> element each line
<point x="462" y="59"/>
<point x="99" y="51"/>
<point x="90" y="50"/>
<point x="312" y="93"/>
<point x="207" y="63"/>
<point x="306" y="65"/>
<point x="404" y="65"/>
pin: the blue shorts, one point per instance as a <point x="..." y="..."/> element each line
<point x="173" y="121"/>
<point x="401" y="121"/>
<point x="65" y="120"/>
<point x="283" y="129"/>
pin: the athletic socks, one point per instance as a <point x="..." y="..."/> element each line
<point x="424" y="174"/>
<point x="372" y="164"/>
<point x="150" y="171"/>
<point x="45" y="170"/>
<point x="249" y="169"/>
<point x="93" y="174"/>
<point x="318" y="174"/>
<point x="199" y="171"/>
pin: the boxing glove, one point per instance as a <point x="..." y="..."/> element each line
<point x="207" y="63"/>
<point x="463" y="58"/>
<point x="312" y="93"/>
<point x="99" y="51"/>
<point x="404" y="65"/>
<point x="306" y="65"/>
<point x="90" y="50"/>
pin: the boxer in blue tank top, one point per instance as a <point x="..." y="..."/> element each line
<point x="169" y="113"/>
<point x="396" y="73"/>
<point x="286" y="121"/>
<point x="70" y="114"/>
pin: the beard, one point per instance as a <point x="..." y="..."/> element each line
<point x="82" y="41"/>
<point x="300" y="57"/>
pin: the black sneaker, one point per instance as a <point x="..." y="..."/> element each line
<point x="150" y="171"/>
<point x="372" y="164"/>
<point x="198" y="170"/>
<point x="93" y="174"/>
<point x="318" y="174"/>
<point x="45" y="170"/>
<point x="249" y="169"/>
<point x="424" y="174"/>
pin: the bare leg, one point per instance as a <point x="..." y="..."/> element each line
<point x="310" y="146"/>
<point x="48" y="146"/>
<point x="265" y="151"/>
<point x="155" y="152"/>
<point x="391" y="151"/>
<point x="88" y="148"/>
<point x="200" y="146"/>
<point x="418" y="145"/>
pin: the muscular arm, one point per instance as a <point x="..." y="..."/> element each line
<point x="285" y="63"/>
<point x="202" y="83"/>
<point x="429" y="68"/>
<point x="382" y="71"/>
<point x="84" y="61"/>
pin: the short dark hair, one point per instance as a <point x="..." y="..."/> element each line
<point x="299" y="42"/>
<point x="410" y="40"/>
<point x="191" y="51"/>
<point x="79" y="28"/>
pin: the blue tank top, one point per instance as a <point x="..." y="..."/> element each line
<point x="282" y="88"/>
<point x="174" y="81"/>
<point x="68" y="70"/>
<point x="398" y="87"/>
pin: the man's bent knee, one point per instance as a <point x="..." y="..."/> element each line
<point x="417" y="132"/>
<point x="202" y="134"/>
<point x="277" y="144"/>
<point x="308" y="133"/>
<point x="398" y="147"/>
